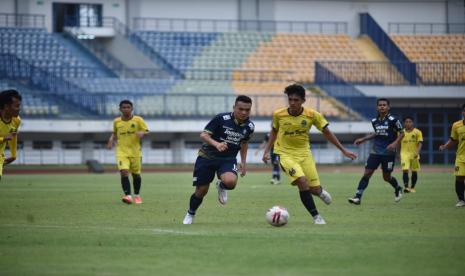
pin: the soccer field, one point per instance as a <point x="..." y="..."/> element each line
<point x="77" y="225"/>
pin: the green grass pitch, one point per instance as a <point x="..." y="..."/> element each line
<point x="77" y="225"/>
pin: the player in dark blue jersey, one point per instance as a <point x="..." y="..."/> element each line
<point x="387" y="136"/>
<point x="223" y="137"/>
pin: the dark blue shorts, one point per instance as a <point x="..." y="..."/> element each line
<point x="386" y="161"/>
<point x="205" y="169"/>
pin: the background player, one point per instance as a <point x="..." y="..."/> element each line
<point x="128" y="130"/>
<point x="410" y="148"/>
<point x="223" y="137"/>
<point x="457" y="137"/>
<point x="10" y="105"/>
<point x="291" y="140"/>
<point x="276" y="173"/>
<point x="388" y="133"/>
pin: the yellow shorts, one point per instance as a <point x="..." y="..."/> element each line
<point x="408" y="162"/>
<point x="459" y="168"/>
<point x="296" y="167"/>
<point x="132" y="164"/>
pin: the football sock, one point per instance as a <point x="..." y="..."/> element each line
<point x="393" y="182"/>
<point x="137" y="182"/>
<point x="222" y="186"/>
<point x="362" y="185"/>
<point x="308" y="202"/>
<point x="414" y="179"/>
<point x="194" y="204"/>
<point x="459" y="189"/>
<point x="276" y="171"/>
<point x="126" y="185"/>
<point x="405" y="178"/>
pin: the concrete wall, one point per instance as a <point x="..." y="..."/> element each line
<point x="7" y="6"/>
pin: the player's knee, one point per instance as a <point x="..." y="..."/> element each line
<point x="230" y="183"/>
<point x="387" y="177"/>
<point x="124" y="173"/>
<point x="201" y="191"/>
<point x="315" y="190"/>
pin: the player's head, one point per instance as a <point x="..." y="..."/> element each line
<point x="383" y="106"/>
<point x="295" y="96"/>
<point x="408" y="122"/>
<point x="10" y="102"/>
<point x="242" y="107"/>
<point x="125" y="106"/>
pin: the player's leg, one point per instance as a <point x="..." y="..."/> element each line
<point x="123" y="167"/>
<point x="371" y="165"/>
<point x="415" y="169"/>
<point x="227" y="174"/>
<point x="276" y="177"/>
<point x="135" y="169"/>
<point x="387" y="165"/>
<point x="460" y="183"/>
<point x="309" y="168"/>
<point x="203" y="175"/>
<point x="405" y="163"/>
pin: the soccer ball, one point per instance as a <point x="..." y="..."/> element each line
<point x="277" y="216"/>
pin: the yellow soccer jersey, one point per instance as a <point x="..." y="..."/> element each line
<point x="410" y="142"/>
<point x="293" y="131"/>
<point x="6" y="128"/>
<point x="128" y="144"/>
<point x="458" y="134"/>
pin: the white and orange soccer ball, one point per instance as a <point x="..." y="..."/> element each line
<point x="277" y="216"/>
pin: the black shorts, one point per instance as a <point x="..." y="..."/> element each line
<point x="386" y="161"/>
<point x="274" y="158"/>
<point x="205" y="169"/>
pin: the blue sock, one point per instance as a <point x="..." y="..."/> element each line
<point x="362" y="185"/>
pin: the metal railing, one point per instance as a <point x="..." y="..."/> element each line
<point x="22" y="20"/>
<point x="426" y="28"/>
<point x="223" y="25"/>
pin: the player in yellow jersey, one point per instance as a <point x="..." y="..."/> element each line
<point x="290" y="138"/>
<point x="10" y="105"/>
<point x="410" y="148"/>
<point x="128" y="130"/>
<point x="457" y="137"/>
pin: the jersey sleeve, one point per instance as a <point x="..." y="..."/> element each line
<point x="275" y="123"/>
<point x="213" y="125"/>
<point x="420" y="136"/>
<point x="397" y="125"/>
<point x="319" y="121"/>
<point x="143" y="126"/>
<point x="250" y="132"/>
<point x="114" y="127"/>
<point x="453" y="133"/>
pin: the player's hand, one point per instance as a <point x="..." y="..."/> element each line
<point x="221" y="146"/>
<point x="266" y="157"/>
<point x="110" y="144"/>
<point x="140" y="134"/>
<point x="349" y="154"/>
<point x="9" y="136"/>
<point x="391" y="147"/>
<point x="358" y="141"/>
<point x="242" y="169"/>
<point x="442" y="147"/>
<point x="9" y="160"/>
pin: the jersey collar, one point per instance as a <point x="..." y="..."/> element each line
<point x="236" y="121"/>
<point x="302" y="111"/>
<point x="387" y="116"/>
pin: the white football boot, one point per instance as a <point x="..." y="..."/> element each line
<point x="461" y="203"/>
<point x="222" y="193"/>
<point x="318" y="219"/>
<point x="188" y="219"/>
<point x="398" y="194"/>
<point x="326" y="197"/>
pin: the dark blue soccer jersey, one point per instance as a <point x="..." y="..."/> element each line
<point x="386" y="130"/>
<point x="224" y="128"/>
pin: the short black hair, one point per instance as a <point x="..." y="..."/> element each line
<point x="6" y="97"/>
<point x="243" y="98"/>
<point x="408" y="117"/>
<point x="125" y="102"/>
<point x="295" y="89"/>
<point x="383" y="100"/>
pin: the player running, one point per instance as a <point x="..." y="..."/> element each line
<point x="223" y="137"/>
<point x="457" y="137"/>
<point x="410" y="148"/>
<point x="291" y="140"/>
<point x="10" y="105"/>
<point x="128" y="130"/>
<point x="388" y="133"/>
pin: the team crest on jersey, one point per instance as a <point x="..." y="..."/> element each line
<point x="133" y="125"/>
<point x="251" y="126"/>
<point x="292" y="172"/>
<point x="226" y="117"/>
<point x="303" y="123"/>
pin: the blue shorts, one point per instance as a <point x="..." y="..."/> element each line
<point x="386" y="161"/>
<point x="205" y="169"/>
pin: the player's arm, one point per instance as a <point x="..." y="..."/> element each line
<point x="365" y="138"/>
<point x="333" y="139"/>
<point x="393" y="146"/>
<point x="450" y="143"/>
<point x="12" y="143"/>
<point x="111" y="141"/>
<point x="143" y="129"/>
<point x="243" y="153"/>
<point x="419" y="145"/>
<point x="207" y="138"/>
<point x="266" y="153"/>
